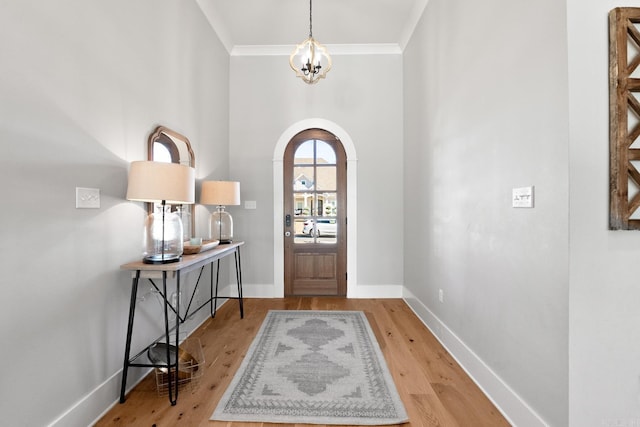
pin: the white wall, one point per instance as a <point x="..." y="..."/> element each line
<point x="485" y="96"/>
<point x="267" y="98"/>
<point x="604" y="362"/>
<point x="82" y="84"/>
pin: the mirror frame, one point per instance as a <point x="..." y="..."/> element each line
<point x="176" y="138"/>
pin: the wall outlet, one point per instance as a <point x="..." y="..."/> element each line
<point x="441" y="295"/>
<point x="250" y="204"/>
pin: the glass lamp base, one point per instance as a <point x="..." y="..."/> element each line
<point x="221" y="226"/>
<point x="163" y="234"/>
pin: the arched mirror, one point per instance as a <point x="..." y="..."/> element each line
<point x="166" y="145"/>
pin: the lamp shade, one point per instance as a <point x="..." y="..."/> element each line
<point x="157" y="181"/>
<point x="221" y="193"/>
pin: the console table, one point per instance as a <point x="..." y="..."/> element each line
<point x="187" y="263"/>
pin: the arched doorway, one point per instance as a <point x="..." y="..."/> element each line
<point x="315" y="212"/>
<point x="278" y="198"/>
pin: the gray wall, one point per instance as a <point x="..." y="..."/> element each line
<point x="485" y="100"/>
<point x="82" y="85"/>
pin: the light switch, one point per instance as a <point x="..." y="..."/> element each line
<point x="250" y="204"/>
<point x="87" y="198"/>
<point x="522" y="197"/>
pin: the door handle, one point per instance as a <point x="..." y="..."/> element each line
<point x="287" y="220"/>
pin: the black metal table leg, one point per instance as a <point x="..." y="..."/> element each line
<point x="239" y="280"/>
<point x="167" y="340"/>
<point x="177" y="350"/>
<point x="212" y="302"/>
<point x="215" y="298"/>
<point x="127" y="350"/>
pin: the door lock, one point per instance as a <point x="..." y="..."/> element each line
<point x="287" y="234"/>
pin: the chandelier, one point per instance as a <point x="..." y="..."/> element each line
<point x="312" y="58"/>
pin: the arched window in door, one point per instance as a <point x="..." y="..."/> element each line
<point x="315" y="192"/>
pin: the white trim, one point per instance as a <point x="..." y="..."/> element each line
<point x="333" y="49"/>
<point x="512" y="406"/>
<point x="83" y="411"/>
<point x="278" y="197"/>
<point x="250" y="291"/>
<point x="377" y="291"/>
<point x="352" y="226"/>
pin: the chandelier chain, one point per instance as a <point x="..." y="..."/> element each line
<point x="310" y="21"/>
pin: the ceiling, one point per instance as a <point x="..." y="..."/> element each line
<point x="262" y="23"/>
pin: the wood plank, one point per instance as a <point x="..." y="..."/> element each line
<point x="634" y="154"/>
<point x="433" y="387"/>
<point x="633" y="35"/>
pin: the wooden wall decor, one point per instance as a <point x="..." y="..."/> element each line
<point x="624" y="118"/>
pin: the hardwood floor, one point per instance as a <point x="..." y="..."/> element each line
<point x="433" y="388"/>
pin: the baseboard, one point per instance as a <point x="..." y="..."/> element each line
<point x="258" y="291"/>
<point x="374" y="291"/>
<point x="510" y="404"/>
<point x="85" y="410"/>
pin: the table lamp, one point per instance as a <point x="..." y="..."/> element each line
<point x="220" y="194"/>
<point x="167" y="184"/>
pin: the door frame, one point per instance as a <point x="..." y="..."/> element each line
<point x="278" y="201"/>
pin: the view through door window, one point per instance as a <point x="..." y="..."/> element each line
<point x="315" y="193"/>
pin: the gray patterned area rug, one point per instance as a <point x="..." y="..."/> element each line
<point x="313" y="367"/>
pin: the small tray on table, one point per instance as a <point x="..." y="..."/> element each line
<point x="196" y="249"/>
